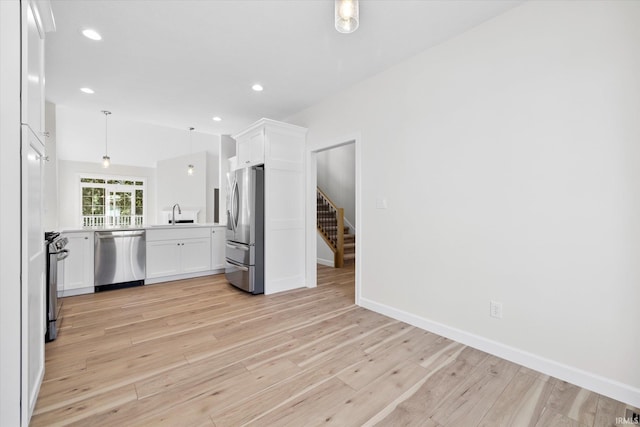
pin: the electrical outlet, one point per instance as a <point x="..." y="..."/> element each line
<point x="495" y="309"/>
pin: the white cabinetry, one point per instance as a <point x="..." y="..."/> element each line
<point x="163" y="258"/>
<point x="176" y="253"/>
<point x="33" y="268"/>
<point x="282" y="147"/>
<point x="195" y="255"/>
<point x="217" y="247"/>
<point x="33" y="24"/>
<point x="250" y="148"/>
<point x="76" y="271"/>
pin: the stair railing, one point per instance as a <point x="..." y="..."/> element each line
<point x="330" y="224"/>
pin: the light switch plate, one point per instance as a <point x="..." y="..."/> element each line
<point x="381" y="203"/>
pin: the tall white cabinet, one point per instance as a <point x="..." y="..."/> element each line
<point x="280" y="146"/>
<point x="36" y="18"/>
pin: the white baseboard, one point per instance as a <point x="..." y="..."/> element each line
<point x="605" y="386"/>
<point x="182" y="276"/>
<point x="327" y="262"/>
<point x="77" y="291"/>
<point x="352" y="229"/>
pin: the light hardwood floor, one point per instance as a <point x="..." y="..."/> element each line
<point x="201" y="353"/>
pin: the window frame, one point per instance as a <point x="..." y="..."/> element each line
<point x="111" y="187"/>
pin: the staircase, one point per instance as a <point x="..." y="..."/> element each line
<point x="332" y="229"/>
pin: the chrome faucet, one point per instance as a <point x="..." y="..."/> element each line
<point x="173" y="213"/>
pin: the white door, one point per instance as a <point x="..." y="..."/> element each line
<point x="120" y="207"/>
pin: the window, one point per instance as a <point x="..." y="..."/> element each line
<point x="112" y="201"/>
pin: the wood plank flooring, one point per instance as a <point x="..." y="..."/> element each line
<point x="199" y="352"/>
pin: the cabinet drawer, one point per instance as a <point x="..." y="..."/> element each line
<point x="179" y="233"/>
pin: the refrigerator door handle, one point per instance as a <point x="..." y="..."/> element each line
<point x="238" y="266"/>
<point x="230" y="210"/>
<point x="235" y="205"/>
<point x="241" y="247"/>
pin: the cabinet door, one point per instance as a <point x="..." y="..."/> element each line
<point x="217" y="248"/>
<point x="78" y="266"/>
<point x="33" y="64"/>
<point x="250" y="149"/>
<point x="196" y="255"/>
<point x="33" y="267"/>
<point x="163" y="258"/>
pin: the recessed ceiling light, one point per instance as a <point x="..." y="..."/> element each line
<point x="216" y="119"/>
<point x="257" y="87"/>
<point x="86" y="90"/>
<point x="91" y="34"/>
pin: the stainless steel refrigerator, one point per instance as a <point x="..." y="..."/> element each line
<point x="245" y="229"/>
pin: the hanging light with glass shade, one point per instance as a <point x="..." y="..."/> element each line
<point x="190" y="166"/>
<point x="347" y="14"/>
<point x="106" y="160"/>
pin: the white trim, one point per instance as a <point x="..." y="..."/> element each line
<point x="352" y="229"/>
<point x="183" y="276"/>
<point x="608" y="387"/>
<point x="77" y="291"/>
<point x="111" y="187"/>
<point x="327" y="262"/>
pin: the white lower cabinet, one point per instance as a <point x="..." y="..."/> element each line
<point x="217" y="247"/>
<point x="179" y="251"/>
<point x="77" y="269"/>
<point x="195" y="255"/>
<point x="163" y="258"/>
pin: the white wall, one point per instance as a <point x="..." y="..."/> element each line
<point x="176" y="186"/>
<point x="227" y="150"/>
<point x="213" y="178"/>
<point x="69" y="188"/>
<point x="324" y="254"/>
<point x="508" y="158"/>
<point x="81" y="134"/>
<point x="337" y="178"/>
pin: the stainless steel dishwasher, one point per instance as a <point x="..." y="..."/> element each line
<point x="120" y="259"/>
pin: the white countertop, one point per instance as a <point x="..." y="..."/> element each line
<point x="138" y="227"/>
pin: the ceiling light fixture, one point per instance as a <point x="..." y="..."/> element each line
<point x="106" y="160"/>
<point x="87" y="90"/>
<point x="257" y="87"/>
<point x="91" y="34"/>
<point x="190" y="166"/>
<point x="347" y="13"/>
<point x="217" y="119"/>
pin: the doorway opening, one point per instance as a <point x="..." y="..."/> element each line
<point x="334" y="184"/>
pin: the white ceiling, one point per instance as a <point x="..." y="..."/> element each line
<point x="178" y="63"/>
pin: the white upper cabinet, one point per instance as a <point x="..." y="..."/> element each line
<point x="250" y="148"/>
<point x="33" y="34"/>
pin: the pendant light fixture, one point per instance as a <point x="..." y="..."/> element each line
<point x="106" y="160"/>
<point x="190" y="166"/>
<point x="347" y="16"/>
